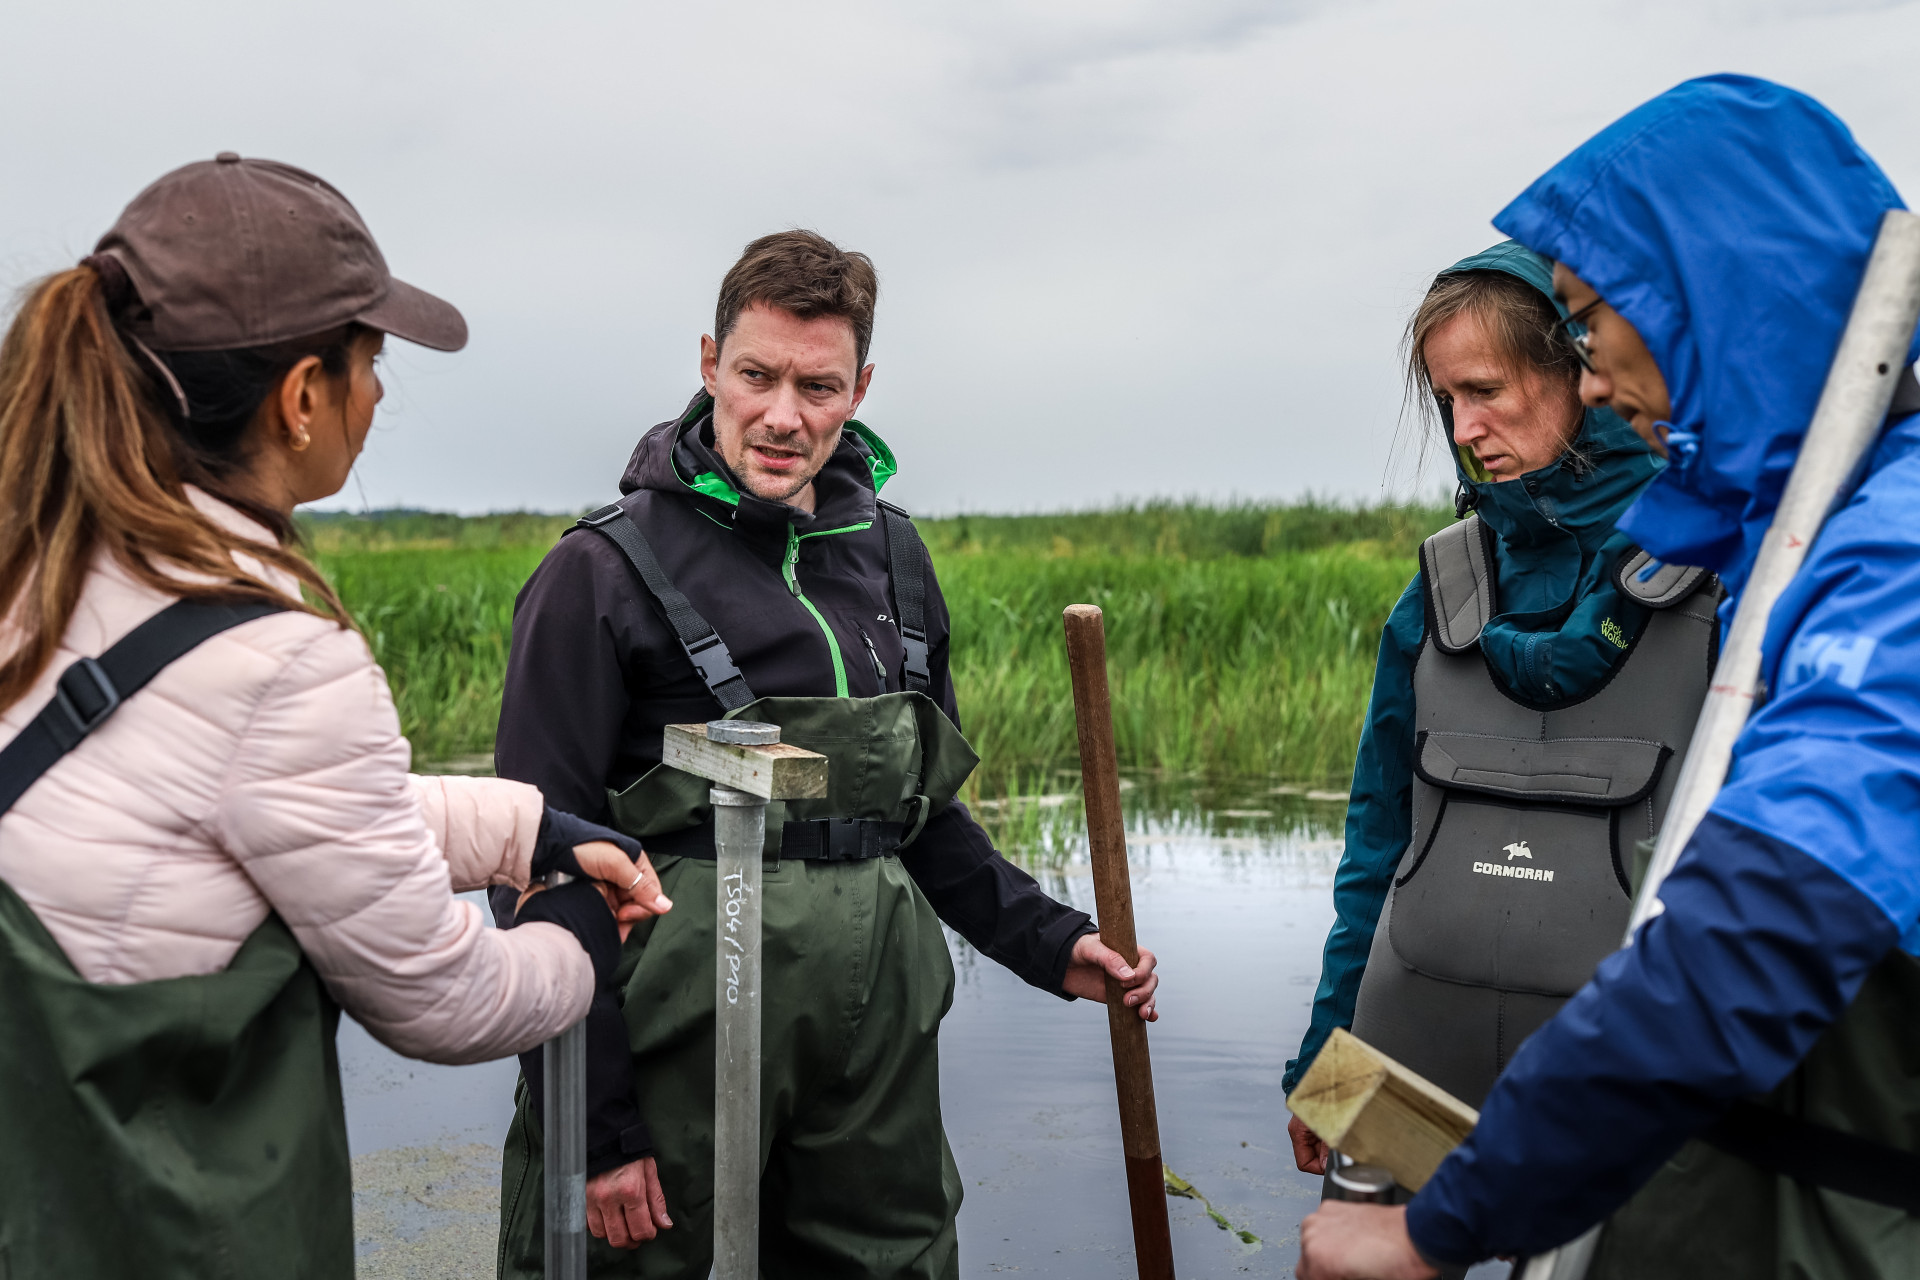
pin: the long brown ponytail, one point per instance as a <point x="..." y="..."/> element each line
<point x="89" y="461"/>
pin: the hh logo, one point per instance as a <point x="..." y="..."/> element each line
<point x="1817" y="654"/>
<point x="1518" y="849"/>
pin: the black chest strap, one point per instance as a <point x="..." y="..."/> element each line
<point x="906" y="569"/>
<point x="92" y="689"/>
<point x="1791" y="1147"/>
<point x="711" y="658"/>
<point x="713" y="661"/>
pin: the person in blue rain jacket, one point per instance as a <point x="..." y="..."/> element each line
<point x="1555" y="550"/>
<point x="1750" y="1065"/>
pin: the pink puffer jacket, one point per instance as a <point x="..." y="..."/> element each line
<point x="265" y="771"/>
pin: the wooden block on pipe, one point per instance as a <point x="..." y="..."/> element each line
<point x="779" y="771"/>
<point x="1365" y="1105"/>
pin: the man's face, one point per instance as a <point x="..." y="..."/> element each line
<point x="1624" y="376"/>
<point x="1514" y="421"/>
<point x="782" y="388"/>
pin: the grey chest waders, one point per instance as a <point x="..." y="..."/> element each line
<point x="817" y="779"/>
<point x="171" y="1130"/>
<point x="1516" y="882"/>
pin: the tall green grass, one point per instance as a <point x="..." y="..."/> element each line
<point x="1240" y="639"/>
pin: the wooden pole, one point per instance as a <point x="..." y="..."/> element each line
<point x="1113" y="896"/>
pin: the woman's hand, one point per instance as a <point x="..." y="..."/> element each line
<point x="1341" y="1241"/>
<point x="1093" y="961"/>
<point x="1309" y="1153"/>
<point x="631" y="890"/>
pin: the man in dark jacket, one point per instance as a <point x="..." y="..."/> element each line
<point x="760" y="504"/>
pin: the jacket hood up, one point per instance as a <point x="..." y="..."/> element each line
<point x="1729" y="221"/>
<point x="1555" y="543"/>
<point x="678" y="456"/>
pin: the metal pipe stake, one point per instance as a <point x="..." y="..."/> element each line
<point x="563" y="1119"/>
<point x="739" y="832"/>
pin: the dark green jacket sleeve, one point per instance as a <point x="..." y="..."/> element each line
<point x="1379" y="824"/>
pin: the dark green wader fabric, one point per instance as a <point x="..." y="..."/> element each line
<point x="857" y="1178"/>
<point x="185" y="1129"/>
<point x="1707" y="1213"/>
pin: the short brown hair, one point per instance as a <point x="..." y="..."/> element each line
<point x="804" y="273"/>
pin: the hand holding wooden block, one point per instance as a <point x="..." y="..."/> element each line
<point x="1365" y="1105"/>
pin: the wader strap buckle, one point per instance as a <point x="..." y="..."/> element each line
<point x="839" y="839"/>
<point x="81" y="707"/>
<point x="92" y="689"/>
<point x="711" y="658"/>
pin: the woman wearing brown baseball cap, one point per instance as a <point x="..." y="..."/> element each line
<point x="209" y="839"/>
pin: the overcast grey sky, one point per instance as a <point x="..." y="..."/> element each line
<point x="1127" y="249"/>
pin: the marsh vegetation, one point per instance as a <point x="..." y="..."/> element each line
<point x="1241" y="638"/>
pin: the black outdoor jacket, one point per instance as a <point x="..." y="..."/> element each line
<point x="596" y="674"/>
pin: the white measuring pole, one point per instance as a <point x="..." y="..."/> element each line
<point x="1846" y="422"/>
<point x="739" y="830"/>
<point x="563" y="1123"/>
<point x="748" y="765"/>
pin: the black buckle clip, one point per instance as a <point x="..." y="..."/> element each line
<point x="840" y="839"/>
<point x="605" y="515"/>
<point x="717" y="667"/>
<point x="67" y="697"/>
<point x="915" y="643"/>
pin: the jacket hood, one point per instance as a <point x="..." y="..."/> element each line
<point x="678" y="457"/>
<point x="1729" y="220"/>
<point x="1555" y="541"/>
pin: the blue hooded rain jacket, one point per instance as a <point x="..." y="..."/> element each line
<point x="1729" y="220"/>
<point x="1555" y="549"/>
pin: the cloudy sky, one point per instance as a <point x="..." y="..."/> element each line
<point x="1127" y="249"/>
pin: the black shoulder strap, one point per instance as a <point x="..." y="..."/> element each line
<point x="1806" y="1152"/>
<point x="906" y="567"/>
<point x="705" y="649"/>
<point x="92" y="689"/>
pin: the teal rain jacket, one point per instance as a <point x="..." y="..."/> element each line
<point x="1555" y="548"/>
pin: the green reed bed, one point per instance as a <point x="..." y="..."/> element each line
<point x="1241" y="639"/>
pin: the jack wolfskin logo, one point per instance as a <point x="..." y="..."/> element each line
<point x="1518" y="849"/>
<point x="1615" y="636"/>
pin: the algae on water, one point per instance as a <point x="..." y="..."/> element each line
<point x="1179" y="1186"/>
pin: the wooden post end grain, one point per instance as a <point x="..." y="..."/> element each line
<point x="777" y="771"/>
<point x="1365" y="1105"/>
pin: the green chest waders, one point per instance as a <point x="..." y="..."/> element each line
<point x="1515" y="884"/>
<point x="1818" y="1180"/>
<point x="857" y="1178"/>
<point x="184" y="1129"/>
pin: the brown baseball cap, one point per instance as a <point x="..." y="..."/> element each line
<point x="231" y="253"/>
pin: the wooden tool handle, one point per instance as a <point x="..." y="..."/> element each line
<point x="1113" y="897"/>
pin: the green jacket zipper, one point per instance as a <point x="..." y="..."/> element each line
<point x="788" y="566"/>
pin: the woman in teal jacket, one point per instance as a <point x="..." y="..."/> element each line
<point x="1547" y="480"/>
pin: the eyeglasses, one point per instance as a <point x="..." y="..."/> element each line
<point x="1578" y="336"/>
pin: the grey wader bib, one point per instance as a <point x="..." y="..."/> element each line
<point x="1515" y="883"/>
<point x="184" y="1129"/>
<point x="857" y="1178"/>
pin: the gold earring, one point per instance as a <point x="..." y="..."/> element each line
<point x="300" y="440"/>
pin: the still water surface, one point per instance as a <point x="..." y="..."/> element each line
<point x="1232" y="890"/>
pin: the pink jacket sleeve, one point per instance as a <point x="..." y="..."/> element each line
<point x="485" y="826"/>
<point x="319" y="810"/>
